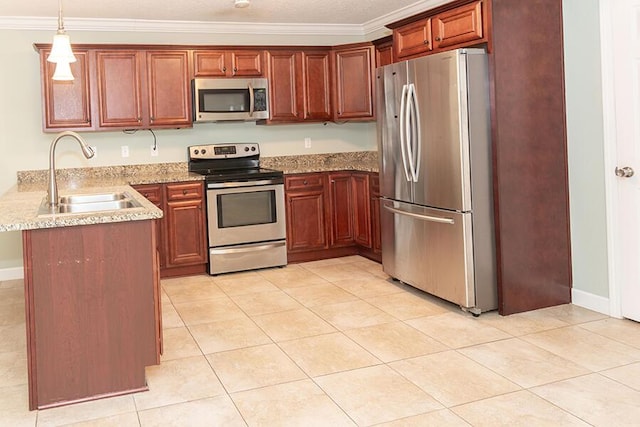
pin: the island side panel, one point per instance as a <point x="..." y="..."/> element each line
<point x="91" y="319"/>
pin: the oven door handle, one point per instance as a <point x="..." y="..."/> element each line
<point x="243" y="249"/>
<point x="233" y="184"/>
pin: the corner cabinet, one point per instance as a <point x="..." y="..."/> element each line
<point x="329" y="214"/>
<point x="182" y="244"/>
<point x="354" y="67"/>
<point x="143" y="89"/>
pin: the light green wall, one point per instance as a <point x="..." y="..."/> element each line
<point x="586" y="146"/>
<point x="24" y="146"/>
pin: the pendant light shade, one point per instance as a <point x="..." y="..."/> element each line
<point x="61" y="53"/>
<point x="61" y="49"/>
<point x="242" y="3"/>
<point x="63" y="71"/>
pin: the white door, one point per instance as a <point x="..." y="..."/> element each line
<point x="621" y="84"/>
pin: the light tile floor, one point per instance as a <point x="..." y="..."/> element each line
<point x="335" y="342"/>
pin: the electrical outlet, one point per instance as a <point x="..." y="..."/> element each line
<point x="154" y="150"/>
<point x="124" y="150"/>
<point x="307" y="143"/>
<point x="95" y="151"/>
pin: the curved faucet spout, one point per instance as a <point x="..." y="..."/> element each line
<point x="52" y="194"/>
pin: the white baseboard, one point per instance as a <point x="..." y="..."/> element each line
<point x="590" y="301"/>
<point x="11" y="273"/>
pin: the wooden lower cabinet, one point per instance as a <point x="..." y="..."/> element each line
<point x="329" y="215"/>
<point x="182" y="244"/>
<point x="93" y="311"/>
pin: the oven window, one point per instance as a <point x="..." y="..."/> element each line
<point x="252" y="208"/>
<point x="223" y="100"/>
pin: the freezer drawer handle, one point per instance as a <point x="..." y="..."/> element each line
<point x="422" y="217"/>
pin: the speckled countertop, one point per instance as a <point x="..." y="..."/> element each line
<point x="19" y="206"/>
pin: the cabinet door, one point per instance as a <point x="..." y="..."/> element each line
<point x="67" y="104"/>
<point x="285" y="99"/>
<point x="317" y="85"/>
<point x="384" y="54"/>
<point x="246" y="63"/>
<point x="168" y="88"/>
<point x="186" y="234"/>
<point x="119" y="89"/>
<point x="412" y="39"/>
<point x="306" y="204"/>
<point x="209" y="63"/>
<point x="361" y="209"/>
<point x="341" y="208"/>
<point x="354" y="70"/>
<point x="457" y="26"/>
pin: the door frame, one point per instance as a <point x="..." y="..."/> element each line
<point x="614" y="247"/>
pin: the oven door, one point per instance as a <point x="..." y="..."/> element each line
<point x="245" y="212"/>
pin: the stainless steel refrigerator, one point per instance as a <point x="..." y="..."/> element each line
<point x="434" y="146"/>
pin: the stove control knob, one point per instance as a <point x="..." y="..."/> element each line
<point x="246" y="148"/>
<point x="253" y="148"/>
<point x="195" y="151"/>
<point x="203" y="151"/>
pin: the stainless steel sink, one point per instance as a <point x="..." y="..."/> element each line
<point x="91" y="198"/>
<point x="88" y="203"/>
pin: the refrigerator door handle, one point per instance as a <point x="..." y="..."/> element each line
<point x="403" y="129"/>
<point x="418" y="216"/>
<point x="416" y="136"/>
<point x="410" y="121"/>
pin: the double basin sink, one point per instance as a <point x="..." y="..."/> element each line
<point x="89" y="203"/>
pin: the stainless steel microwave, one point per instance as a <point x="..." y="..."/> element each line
<point x="223" y="99"/>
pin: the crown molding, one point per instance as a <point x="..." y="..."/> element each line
<point x="156" y="26"/>
<point x="203" y="27"/>
<point x="380" y="23"/>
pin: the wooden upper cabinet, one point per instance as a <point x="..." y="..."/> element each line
<point x="299" y="85"/>
<point x="285" y="85"/>
<point x="119" y="89"/>
<point x="227" y="63"/>
<point x="66" y="104"/>
<point x="353" y="86"/>
<point x="460" y="25"/>
<point x="316" y="70"/>
<point x="384" y="51"/>
<point x="168" y="88"/>
<point x="412" y="39"/>
<point x="143" y="89"/>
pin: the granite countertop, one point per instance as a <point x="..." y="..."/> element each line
<point x="19" y="206"/>
<point x="19" y="209"/>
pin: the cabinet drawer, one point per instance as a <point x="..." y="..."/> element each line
<point x="153" y="192"/>
<point x="304" y="181"/>
<point x="184" y="191"/>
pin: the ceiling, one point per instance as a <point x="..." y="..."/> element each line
<point x="315" y="12"/>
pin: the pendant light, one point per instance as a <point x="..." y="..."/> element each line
<point x="61" y="53"/>
<point x="242" y="3"/>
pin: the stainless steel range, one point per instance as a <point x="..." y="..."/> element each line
<point x="245" y="207"/>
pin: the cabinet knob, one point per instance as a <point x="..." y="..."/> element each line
<point x="139" y="119"/>
<point x="426" y="42"/>
<point x="304" y="182"/>
<point x="185" y="192"/>
<point x="438" y="38"/>
<point x="224" y="69"/>
<point x="235" y="69"/>
<point x="152" y="118"/>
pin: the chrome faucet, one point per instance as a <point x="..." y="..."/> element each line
<point x="52" y="195"/>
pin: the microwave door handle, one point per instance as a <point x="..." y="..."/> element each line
<point x="251" y="100"/>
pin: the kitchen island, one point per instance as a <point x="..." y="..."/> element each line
<point x="92" y="295"/>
